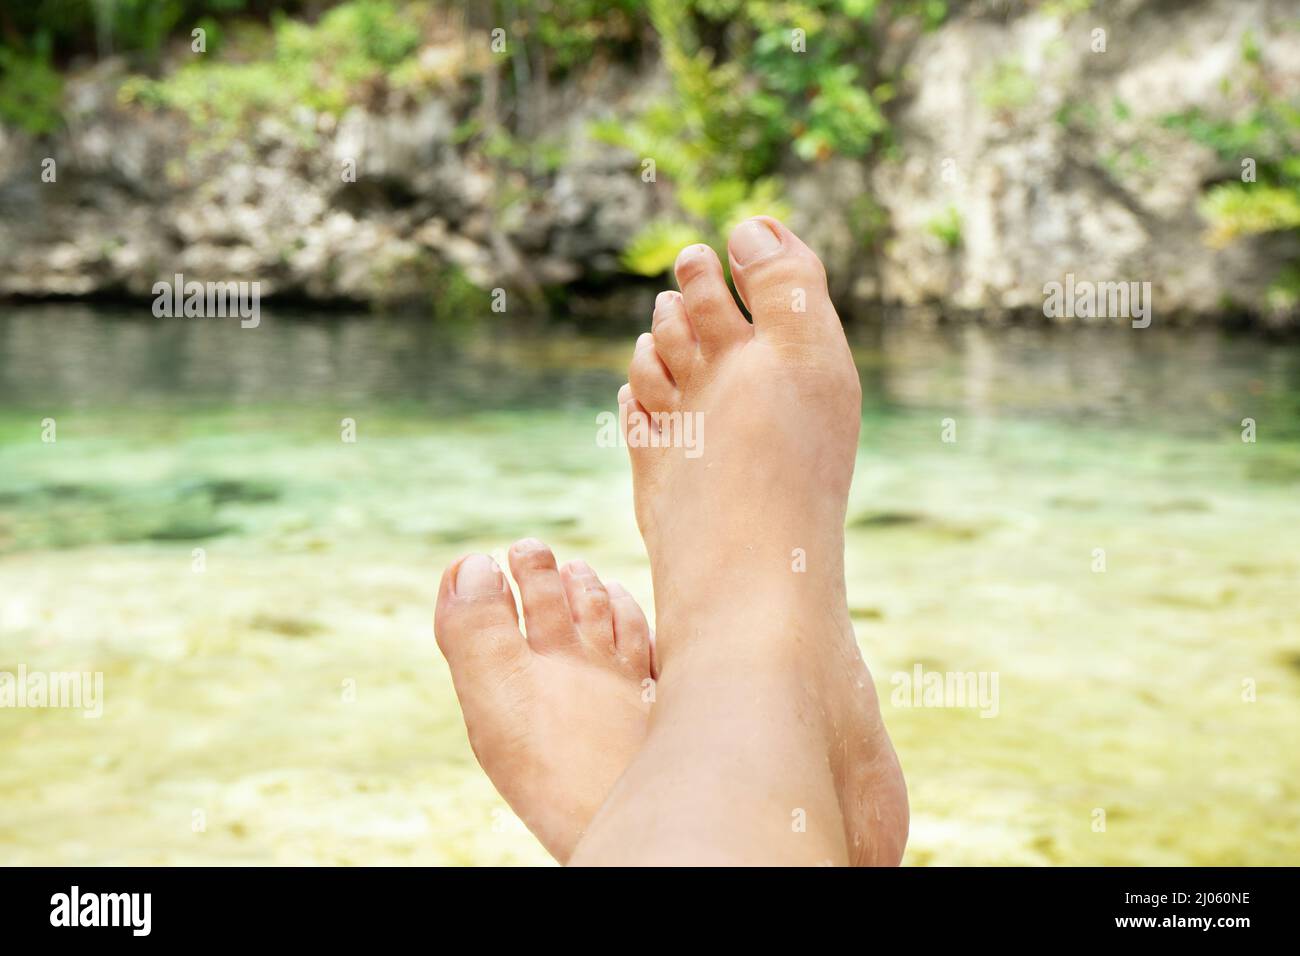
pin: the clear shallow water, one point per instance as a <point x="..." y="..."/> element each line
<point x="1119" y="690"/>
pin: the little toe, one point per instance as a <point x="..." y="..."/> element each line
<point x="651" y="382"/>
<point x="631" y="630"/>
<point x="640" y="432"/>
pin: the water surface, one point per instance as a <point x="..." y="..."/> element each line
<point x="258" y="591"/>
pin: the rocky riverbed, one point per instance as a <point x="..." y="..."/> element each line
<point x="257" y="593"/>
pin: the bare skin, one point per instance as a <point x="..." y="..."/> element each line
<point x="554" y="718"/>
<point x="766" y="744"/>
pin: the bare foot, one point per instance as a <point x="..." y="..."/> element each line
<point x="553" y="719"/>
<point x="746" y="531"/>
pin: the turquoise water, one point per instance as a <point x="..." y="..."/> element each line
<point x="201" y="533"/>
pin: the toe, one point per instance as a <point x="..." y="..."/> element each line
<point x="673" y="335"/>
<point x="547" y="620"/>
<point x="475" y="621"/>
<point x="717" y="322"/>
<point x="631" y="632"/>
<point x="780" y="279"/>
<point x="639" y="430"/>
<point x="651" y="382"/>
<point x="589" y="605"/>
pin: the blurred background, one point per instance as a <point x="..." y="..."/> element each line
<point x="257" y="590"/>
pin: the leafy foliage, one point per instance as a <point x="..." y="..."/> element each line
<point x="324" y="66"/>
<point x="566" y="35"/>
<point x="755" y="81"/>
<point x="137" y="28"/>
<point x="947" y="228"/>
<point x="654" y="249"/>
<point x="1242" y="209"/>
<point x="1264" y="131"/>
<point x="31" y="91"/>
<point x="760" y="86"/>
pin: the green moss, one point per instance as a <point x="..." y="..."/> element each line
<point x="453" y="297"/>
<point x="1007" y="87"/>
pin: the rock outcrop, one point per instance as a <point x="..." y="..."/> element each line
<point x="379" y="206"/>
<point x="1023" y="154"/>
<point x="1074" y="171"/>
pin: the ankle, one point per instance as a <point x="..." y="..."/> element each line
<point x="771" y="633"/>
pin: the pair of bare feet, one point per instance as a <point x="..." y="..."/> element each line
<point x="749" y="730"/>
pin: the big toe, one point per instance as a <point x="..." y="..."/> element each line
<point x="475" y="622"/>
<point x="781" y="281"/>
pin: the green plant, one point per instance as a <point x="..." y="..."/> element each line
<point x="31" y="91"/>
<point x="947" y="228"/>
<point x="1284" y="293"/>
<point x="569" y="34"/>
<point x="1064" y="9"/>
<point x="1076" y="114"/>
<point x="325" y="66"/>
<point x="1007" y="87"/>
<point x="453" y="297"/>
<point x="756" y="83"/>
<point x="1240" y="209"/>
<point x="136" y="28"/>
<point x="1260" y="142"/>
<point x="538" y="158"/>
<point x="654" y="249"/>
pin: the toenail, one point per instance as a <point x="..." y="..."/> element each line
<point x="478" y="574"/>
<point x="662" y="299"/>
<point x="691" y="253"/>
<point x="752" y="240"/>
<point x="616" y="590"/>
<point x="528" y="546"/>
<point x="581" y="569"/>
